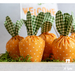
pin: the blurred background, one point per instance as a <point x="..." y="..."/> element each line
<point x="13" y="10"/>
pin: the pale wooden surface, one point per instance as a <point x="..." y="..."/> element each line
<point x="36" y="66"/>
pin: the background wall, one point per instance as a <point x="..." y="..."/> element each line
<point x="12" y="10"/>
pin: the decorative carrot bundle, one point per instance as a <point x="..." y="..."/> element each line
<point x="73" y="27"/>
<point x="63" y="47"/>
<point x="12" y="45"/>
<point x="48" y="37"/>
<point x="32" y="45"/>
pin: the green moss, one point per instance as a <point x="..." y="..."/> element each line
<point x="6" y="58"/>
<point x="53" y="60"/>
<point x="73" y="60"/>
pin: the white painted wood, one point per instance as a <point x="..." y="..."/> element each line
<point x="36" y="66"/>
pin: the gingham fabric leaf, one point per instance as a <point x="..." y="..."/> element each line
<point x="14" y="24"/>
<point x="73" y="29"/>
<point x="5" y="24"/>
<point x="51" y="19"/>
<point x="66" y="17"/>
<point x="69" y="25"/>
<point x="18" y="26"/>
<point x="46" y="27"/>
<point x="13" y="28"/>
<point x="25" y="22"/>
<point x="48" y="17"/>
<point x="59" y="22"/>
<point x="73" y="24"/>
<point x="29" y="23"/>
<point x="38" y="22"/>
<point x="10" y="27"/>
<point x="73" y="18"/>
<point x="63" y="23"/>
<point x="33" y="18"/>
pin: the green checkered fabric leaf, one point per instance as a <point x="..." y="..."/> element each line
<point x="69" y="25"/>
<point x="5" y="23"/>
<point x="14" y="24"/>
<point x="29" y="23"/>
<point x="6" y="26"/>
<point x="47" y="19"/>
<point x="46" y="26"/>
<point x="73" y="24"/>
<point x="12" y="28"/>
<point x="63" y="23"/>
<point x="25" y="22"/>
<point x="18" y="26"/>
<point x="66" y="17"/>
<point x="73" y="29"/>
<point x="33" y="19"/>
<point x="38" y="21"/>
<point x="59" y="21"/>
<point x="51" y="19"/>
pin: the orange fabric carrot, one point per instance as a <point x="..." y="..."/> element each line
<point x="32" y="45"/>
<point x="48" y="37"/>
<point x="12" y="46"/>
<point x="63" y="47"/>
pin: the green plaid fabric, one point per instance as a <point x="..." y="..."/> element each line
<point x="59" y="21"/>
<point x="29" y="23"/>
<point x="73" y="24"/>
<point x="9" y="26"/>
<point x="46" y="27"/>
<point x="18" y="26"/>
<point x="69" y="25"/>
<point x="38" y="22"/>
<point x="63" y="23"/>
<point x="25" y="22"/>
<point x="33" y="23"/>
<point x="73" y="29"/>
<point x="33" y="19"/>
<point x="12" y="28"/>
<point x="48" y="19"/>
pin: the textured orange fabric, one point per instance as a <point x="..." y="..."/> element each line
<point x="45" y="55"/>
<point x="64" y="48"/>
<point x="12" y="46"/>
<point x="73" y="35"/>
<point x="33" y="46"/>
<point x="49" y="38"/>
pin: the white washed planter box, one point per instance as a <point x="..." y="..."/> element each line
<point x="36" y="66"/>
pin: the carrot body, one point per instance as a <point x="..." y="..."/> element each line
<point x="33" y="46"/>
